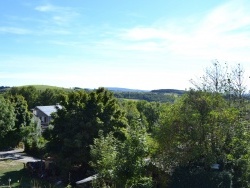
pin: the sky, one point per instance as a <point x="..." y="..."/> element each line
<point x="137" y="44"/>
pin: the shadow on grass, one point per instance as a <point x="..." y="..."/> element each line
<point x="22" y="179"/>
<point x="19" y="178"/>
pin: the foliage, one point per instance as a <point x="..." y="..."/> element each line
<point x="131" y="111"/>
<point x="238" y="158"/>
<point x="22" y="118"/>
<point x="230" y="83"/>
<point x="103" y="158"/>
<point x="78" y="123"/>
<point x="132" y="159"/>
<point x="133" y="143"/>
<point x="221" y="79"/>
<point x="37" y="95"/>
<point x="49" y="97"/>
<point x="7" y="122"/>
<point x="122" y="163"/>
<point x="150" y="113"/>
<point x="169" y="91"/>
<point x="197" y="131"/>
<point x="32" y="137"/>
<point x="199" y="177"/>
<point x="20" y="177"/>
<point x="147" y="96"/>
<point x="30" y="94"/>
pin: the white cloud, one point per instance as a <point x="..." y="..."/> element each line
<point x="58" y="14"/>
<point x="47" y="8"/>
<point x="14" y="30"/>
<point x="165" y="54"/>
<point x="226" y="18"/>
<point x="221" y="33"/>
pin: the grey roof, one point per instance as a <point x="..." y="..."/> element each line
<point x="48" y="110"/>
<point x="90" y="178"/>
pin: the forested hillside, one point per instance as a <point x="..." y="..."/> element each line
<point x="161" y="95"/>
<point x="148" y="96"/>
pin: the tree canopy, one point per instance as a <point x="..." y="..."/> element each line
<point x="78" y="122"/>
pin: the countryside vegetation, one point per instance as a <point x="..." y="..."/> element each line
<point x="194" y="138"/>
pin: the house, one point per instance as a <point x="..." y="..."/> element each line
<point x="44" y="113"/>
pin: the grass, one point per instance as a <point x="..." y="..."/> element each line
<point x="14" y="170"/>
<point x="44" y="87"/>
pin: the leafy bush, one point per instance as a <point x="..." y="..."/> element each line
<point x="199" y="177"/>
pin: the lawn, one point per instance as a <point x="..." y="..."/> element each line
<point x="19" y="176"/>
<point x="11" y="170"/>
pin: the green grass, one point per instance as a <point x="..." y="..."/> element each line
<point x="44" y="87"/>
<point x="20" y="177"/>
<point x="13" y="170"/>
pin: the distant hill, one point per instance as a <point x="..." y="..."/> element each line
<point x="119" y="89"/>
<point x="44" y="87"/>
<point x="172" y="91"/>
<point x="159" y="95"/>
<point x="3" y="88"/>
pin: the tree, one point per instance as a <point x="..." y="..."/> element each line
<point x="49" y="97"/>
<point x="219" y="79"/>
<point x="76" y="125"/>
<point x="122" y="163"/>
<point x="200" y="130"/>
<point x="104" y="158"/>
<point x="131" y="111"/>
<point x="238" y="87"/>
<point x="151" y="112"/>
<point x="230" y="83"/>
<point x="32" y="137"/>
<point x="216" y="79"/>
<point x="30" y="94"/>
<point x="133" y="158"/>
<point x="7" y="122"/>
<point x="22" y="118"/>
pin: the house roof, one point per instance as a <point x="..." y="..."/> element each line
<point x="48" y="110"/>
<point x="90" y="178"/>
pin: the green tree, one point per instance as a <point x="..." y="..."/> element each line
<point x="150" y="111"/>
<point x="104" y="158"/>
<point x="230" y="83"/>
<point x="78" y="123"/>
<point x="22" y="117"/>
<point x="7" y="122"/>
<point x="133" y="158"/>
<point x="49" y="97"/>
<point x="33" y="140"/>
<point x="131" y="111"/>
<point x="30" y="94"/>
<point x="216" y="78"/>
<point x="195" y="130"/>
<point x="122" y="163"/>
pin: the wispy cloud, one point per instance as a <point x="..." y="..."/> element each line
<point x="51" y="8"/>
<point x="58" y="14"/>
<point x="15" y="30"/>
<point x="221" y="33"/>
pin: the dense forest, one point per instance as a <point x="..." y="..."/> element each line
<point x="164" y="138"/>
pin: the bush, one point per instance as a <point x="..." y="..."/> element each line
<point x="199" y="177"/>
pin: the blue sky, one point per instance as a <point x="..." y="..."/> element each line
<point x="140" y="44"/>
